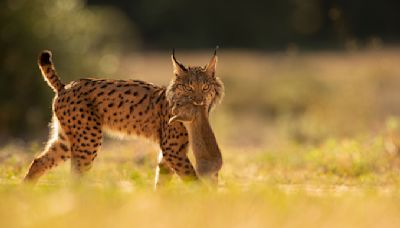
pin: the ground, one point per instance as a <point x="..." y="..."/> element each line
<point x="327" y="186"/>
<point x="317" y="148"/>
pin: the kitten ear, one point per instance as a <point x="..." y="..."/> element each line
<point x="173" y="119"/>
<point x="212" y="65"/>
<point x="177" y="118"/>
<point x="179" y="69"/>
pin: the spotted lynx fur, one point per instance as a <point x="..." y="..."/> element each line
<point x="84" y="109"/>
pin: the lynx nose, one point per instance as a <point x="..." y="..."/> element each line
<point x="197" y="99"/>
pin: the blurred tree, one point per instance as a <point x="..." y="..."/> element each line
<point x="84" y="40"/>
<point x="271" y="24"/>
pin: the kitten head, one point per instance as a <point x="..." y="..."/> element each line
<point x="195" y="85"/>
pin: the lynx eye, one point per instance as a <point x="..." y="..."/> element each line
<point x="206" y="87"/>
<point x="187" y="88"/>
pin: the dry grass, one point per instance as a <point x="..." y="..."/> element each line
<point x="338" y="184"/>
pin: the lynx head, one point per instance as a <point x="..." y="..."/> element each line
<point x="195" y="85"/>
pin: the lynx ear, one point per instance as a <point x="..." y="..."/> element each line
<point x="179" y="69"/>
<point x="212" y="65"/>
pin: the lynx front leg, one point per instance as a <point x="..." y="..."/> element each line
<point x="163" y="172"/>
<point x="179" y="162"/>
<point x="175" y="146"/>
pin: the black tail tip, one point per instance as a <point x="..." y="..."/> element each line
<point x="45" y="58"/>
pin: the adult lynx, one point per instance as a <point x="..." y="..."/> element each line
<point x="84" y="109"/>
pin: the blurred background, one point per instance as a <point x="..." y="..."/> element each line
<point x="295" y="71"/>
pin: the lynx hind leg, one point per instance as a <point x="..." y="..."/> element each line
<point x="85" y="143"/>
<point x="82" y="158"/>
<point x="58" y="150"/>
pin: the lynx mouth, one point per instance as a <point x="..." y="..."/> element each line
<point x="198" y="103"/>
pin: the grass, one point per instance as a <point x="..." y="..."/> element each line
<point x="304" y="145"/>
<point x="340" y="183"/>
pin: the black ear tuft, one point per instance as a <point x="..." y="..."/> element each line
<point x="216" y="48"/>
<point x="44" y="58"/>
<point x="180" y="65"/>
